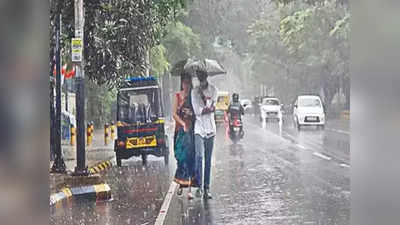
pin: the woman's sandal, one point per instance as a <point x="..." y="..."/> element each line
<point x="180" y="190"/>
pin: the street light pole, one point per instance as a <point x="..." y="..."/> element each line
<point x="80" y="169"/>
<point x="59" y="165"/>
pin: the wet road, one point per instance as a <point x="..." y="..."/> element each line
<point x="275" y="175"/>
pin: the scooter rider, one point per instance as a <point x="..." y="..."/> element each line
<point x="235" y="109"/>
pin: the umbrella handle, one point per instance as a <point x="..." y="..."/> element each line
<point x="203" y="97"/>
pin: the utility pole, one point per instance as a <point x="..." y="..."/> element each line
<point x="58" y="165"/>
<point x="77" y="57"/>
<point x="66" y="93"/>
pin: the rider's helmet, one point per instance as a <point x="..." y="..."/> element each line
<point x="235" y="97"/>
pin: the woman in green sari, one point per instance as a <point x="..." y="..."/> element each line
<point x="183" y="138"/>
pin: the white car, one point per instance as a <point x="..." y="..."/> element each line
<point x="271" y="110"/>
<point x="308" y="110"/>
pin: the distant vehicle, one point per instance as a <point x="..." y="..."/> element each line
<point x="247" y="105"/>
<point x="270" y="109"/>
<point x="235" y="129"/>
<point x="221" y="107"/>
<point x="308" y="110"/>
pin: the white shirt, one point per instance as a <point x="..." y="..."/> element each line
<point x="205" y="124"/>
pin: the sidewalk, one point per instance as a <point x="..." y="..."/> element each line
<point x="95" y="154"/>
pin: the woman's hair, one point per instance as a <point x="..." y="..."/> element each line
<point x="184" y="77"/>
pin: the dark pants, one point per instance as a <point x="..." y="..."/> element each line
<point x="203" y="149"/>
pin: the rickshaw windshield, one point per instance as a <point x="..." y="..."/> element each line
<point x="138" y="105"/>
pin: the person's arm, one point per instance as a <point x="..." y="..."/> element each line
<point x="175" y="113"/>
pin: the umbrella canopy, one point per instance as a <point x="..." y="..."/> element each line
<point x="210" y="66"/>
<point x="192" y="66"/>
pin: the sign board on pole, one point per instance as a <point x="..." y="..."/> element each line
<point x="78" y="33"/>
<point x="77" y="46"/>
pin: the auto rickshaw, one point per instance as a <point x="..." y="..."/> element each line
<point x="140" y="116"/>
<point x="221" y="107"/>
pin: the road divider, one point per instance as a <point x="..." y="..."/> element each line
<point x="98" y="192"/>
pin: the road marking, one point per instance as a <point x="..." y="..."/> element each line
<point x="322" y="156"/>
<point x="339" y="131"/>
<point x="344" y="165"/>
<point x="165" y="206"/>
<point x="301" y="146"/>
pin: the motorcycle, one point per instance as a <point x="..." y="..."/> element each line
<point x="235" y="130"/>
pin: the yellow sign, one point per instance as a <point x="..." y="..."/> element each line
<point x="76" y="47"/>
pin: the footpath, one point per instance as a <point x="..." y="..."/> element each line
<point x="65" y="187"/>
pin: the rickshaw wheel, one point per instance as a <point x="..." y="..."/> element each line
<point x="144" y="159"/>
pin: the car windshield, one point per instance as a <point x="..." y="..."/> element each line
<point x="270" y="102"/>
<point x="309" y="102"/>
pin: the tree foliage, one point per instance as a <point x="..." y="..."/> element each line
<point x="181" y="42"/>
<point x="225" y="21"/>
<point x="306" y="43"/>
<point x="158" y="60"/>
<point x="118" y="34"/>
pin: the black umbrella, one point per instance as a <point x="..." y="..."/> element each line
<point x="192" y="66"/>
<point x="210" y="66"/>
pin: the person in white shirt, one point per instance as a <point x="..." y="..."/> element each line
<point x="203" y="100"/>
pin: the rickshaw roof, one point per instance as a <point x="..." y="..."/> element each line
<point x="139" y="83"/>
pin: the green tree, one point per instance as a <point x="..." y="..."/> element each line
<point x="118" y="34"/>
<point x="223" y="21"/>
<point x="158" y="60"/>
<point x="180" y="42"/>
<point x="307" y="45"/>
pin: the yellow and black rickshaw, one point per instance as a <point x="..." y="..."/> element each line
<point x="140" y="118"/>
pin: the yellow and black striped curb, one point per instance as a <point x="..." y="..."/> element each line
<point x="98" y="192"/>
<point x="100" y="167"/>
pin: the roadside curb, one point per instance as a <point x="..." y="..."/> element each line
<point x="98" y="192"/>
<point x="100" y="167"/>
